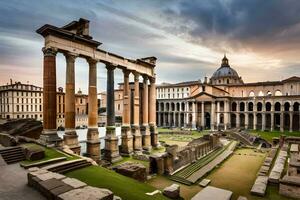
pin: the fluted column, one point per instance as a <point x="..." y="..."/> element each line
<point x="126" y="137"/>
<point x="49" y="134"/>
<point x="93" y="141"/>
<point x="146" y="138"/>
<point x="137" y="138"/>
<point x="70" y="136"/>
<point x="111" y="152"/>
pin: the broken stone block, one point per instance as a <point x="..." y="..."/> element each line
<point x="34" y="153"/>
<point x="172" y="191"/>
<point x="133" y="170"/>
<point x="87" y="193"/>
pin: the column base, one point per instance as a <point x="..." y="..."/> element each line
<point x="93" y="144"/>
<point x="154" y="135"/>
<point x="71" y="140"/>
<point x="127" y="141"/>
<point x="146" y="137"/>
<point x="111" y="150"/>
<point x="137" y="138"/>
<point x="50" y="137"/>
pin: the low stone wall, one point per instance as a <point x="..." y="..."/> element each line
<point x="173" y="159"/>
<point x="278" y="167"/>
<point x="289" y="186"/>
<point x="56" y="186"/>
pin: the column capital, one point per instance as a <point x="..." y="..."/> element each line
<point x="91" y="61"/>
<point x="110" y="67"/>
<point x="152" y="79"/>
<point x="49" y="51"/>
<point x="145" y="77"/>
<point x="136" y="75"/>
<point x="126" y="72"/>
<point x="70" y="57"/>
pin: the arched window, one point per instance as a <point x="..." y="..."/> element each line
<point x="260" y="94"/>
<point x="251" y="94"/>
<point x="278" y="93"/>
<point x="269" y="93"/>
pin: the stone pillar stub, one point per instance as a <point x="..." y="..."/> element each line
<point x="49" y="133"/>
<point x="111" y="150"/>
<point x="126" y="136"/>
<point x="70" y="136"/>
<point x="93" y="141"/>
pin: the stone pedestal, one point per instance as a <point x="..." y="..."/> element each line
<point x="154" y="135"/>
<point x="127" y="141"/>
<point x="146" y="137"/>
<point x="137" y="138"/>
<point x="71" y="140"/>
<point x="93" y="144"/>
<point x="50" y="137"/>
<point x="111" y="150"/>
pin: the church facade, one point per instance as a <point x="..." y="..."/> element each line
<point x="225" y="101"/>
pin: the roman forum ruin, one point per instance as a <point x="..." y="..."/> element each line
<point x="73" y="40"/>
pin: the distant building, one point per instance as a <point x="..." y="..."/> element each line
<point x="18" y="100"/>
<point x="225" y="101"/>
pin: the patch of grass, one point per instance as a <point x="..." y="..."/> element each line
<point x="50" y="153"/>
<point x="126" y="159"/>
<point x="120" y="185"/>
<point x="268" y="135"/>
<point x="158" y="150"/>
<point x="187" y="192"/>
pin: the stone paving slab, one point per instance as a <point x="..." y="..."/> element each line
<point x="74" y="182"/>
<point x="13" y="184"/>
<point x="87" y="193"/>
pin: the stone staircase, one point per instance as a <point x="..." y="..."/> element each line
<point x="67" y="166"/>
<point x="12" y="154"/>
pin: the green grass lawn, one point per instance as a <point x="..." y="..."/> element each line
<point x="268" y="135"/>
<point x="238" y="174"/>
<point x="50" y="153"/>
<point x="179" y="139"/>
<point x="187" y="192"/>
<point x="120" y="185"/>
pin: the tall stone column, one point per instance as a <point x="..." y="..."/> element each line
<point x="282" y="119"/>
<point x="246" y="120"/>
<point x="263" y="128"/>
<point x="135" y="128"/>
<point x="93" y="141"/>
<point x="254" y="116"/>
<point x="179" y="119"/>
<point x="145" y="119"/>
<point x="49" y="134"/>
<point x="127" y="138"/>
<point x="212" y="116"/>
<point x="291" y="118"/>
<point x="194" y="115"/>
<point x="152" y="110"/>
<point x="272" y="117"/>
<point x="70" y="136"/>
<point x="169" y="119"/>
<point x="111" y="152"/>
<point x="226" y="115"/>
<point x="218" y="115"/>
<point x="238" y="115"/>
<point x="202" y="115"/>
<point x="164" y="119"/>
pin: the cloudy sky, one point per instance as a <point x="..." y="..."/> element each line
<point x="189" y="38"/>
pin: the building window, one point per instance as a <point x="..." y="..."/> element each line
<point x="118" y="106"/>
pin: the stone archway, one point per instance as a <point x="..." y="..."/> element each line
<point x="251" y="120"/>
<point x="233" y="120"/>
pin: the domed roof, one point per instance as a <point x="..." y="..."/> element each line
<point x="225" y="70"/>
